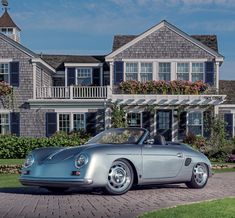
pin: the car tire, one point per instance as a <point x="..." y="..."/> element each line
<point x="120" y="178"/>
<point x="56" y="189"/>
<point x="199" y="176"/>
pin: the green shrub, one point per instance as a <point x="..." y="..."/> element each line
<point x="18" y="147"/>
<point x="217" y="147"/>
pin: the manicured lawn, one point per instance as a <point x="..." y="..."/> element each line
<point x="9" y="180"/>
<point x="224" y="170"/>
<point x="219" y="208"/>
<point x="11" y="161"/>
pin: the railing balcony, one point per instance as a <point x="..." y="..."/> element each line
<point x="72" y="92"/>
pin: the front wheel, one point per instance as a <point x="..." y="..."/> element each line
<point x="199" y="176"/>
<point x="120" y="178"/>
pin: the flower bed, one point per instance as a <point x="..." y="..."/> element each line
<point x="175" y="87"/>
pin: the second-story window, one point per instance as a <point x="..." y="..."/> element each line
<point x="146" y="72"/>
<point x="131" y="71"/>
<point x="4" y="72"/>
<point x="183" y="71"/>
<point x="84" y="76"/>
<point x="197" y="72"/>
<point x="165" y="71"/>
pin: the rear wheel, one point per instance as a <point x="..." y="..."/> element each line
<point x="56" y="189"/>
<point x="199" y="176"/>
<point x="120" y="178"/>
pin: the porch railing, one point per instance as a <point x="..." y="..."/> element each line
<point x="72" y="92"/>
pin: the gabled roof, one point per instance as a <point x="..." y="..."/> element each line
<point x="208" y="40"/>
<point x="6" y="21"/>
<point x="131" y="40"/>
<point x="58" y="61"/>
<point x="227" y="87"/>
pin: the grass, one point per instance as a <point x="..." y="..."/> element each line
<point x="224" y="170"/>
<point x="9" y="180"/>
<point x="11" y="161"/>
<point x="216" y="209"/>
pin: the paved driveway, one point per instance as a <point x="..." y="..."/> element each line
<point x="34" y="202"/>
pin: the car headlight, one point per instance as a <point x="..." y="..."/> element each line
<point x="81" y="160"/>
<point x="29" y="161"/>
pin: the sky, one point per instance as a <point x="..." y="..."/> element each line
<point x="88" y="26"/>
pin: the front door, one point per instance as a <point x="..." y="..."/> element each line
<point x="164" y="123"/>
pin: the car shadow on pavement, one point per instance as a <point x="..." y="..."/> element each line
<point x="84" y="191"/>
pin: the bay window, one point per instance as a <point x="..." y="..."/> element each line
<point x="146" y="73"/>
<point x="131" y="71"/>
<point x="4" y="72"/>
<point x="165" y="71"/>
<point x="4" y="123"/>
<point x="197" y="72"/>
<point x="183" y="71"/>
<point x="195" y="122"/>
<point x="84" y="76"/>
<point x="134" y="119"/>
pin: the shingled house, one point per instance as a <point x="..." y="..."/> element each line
<point x="71" y="92"/>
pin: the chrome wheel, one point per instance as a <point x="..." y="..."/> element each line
<point x="200" y="174"/>
<point x="120" y="177"/>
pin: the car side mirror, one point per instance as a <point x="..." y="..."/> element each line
<point x="149" y="142"/>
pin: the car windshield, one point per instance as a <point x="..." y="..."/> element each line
<point x="119" y="136"/>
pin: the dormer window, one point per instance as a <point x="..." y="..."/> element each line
<point x="84" y="76"/>
<point x="4" y="72"/>
<point x="7" y="31"/>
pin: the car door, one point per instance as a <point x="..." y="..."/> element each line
<point x="161" y="161"/>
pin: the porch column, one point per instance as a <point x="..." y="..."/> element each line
<point x="217" y="76"/>
<point x="34" y="80"/>
<point x="108" y="117"/>
<point x="111" y="74"/>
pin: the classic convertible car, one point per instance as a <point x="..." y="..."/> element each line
<point x="115" y="160"/>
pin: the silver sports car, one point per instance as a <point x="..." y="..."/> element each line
<point x="115" y="160"/>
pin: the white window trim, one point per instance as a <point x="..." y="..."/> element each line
<point x="9" y="120"/>
<point x="8" y="73"/>
<point x="76" y="73"/>
<point x="187" y="122"/>
<point x="71" y="126"/>
<point x="134" y="112"/>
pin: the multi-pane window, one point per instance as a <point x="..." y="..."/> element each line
<point x="134" y="119"/>
<point x="146" y="72"/>
<point x="78" y="122"/>
<point x="7" y="31"/>
<point x="4" y="72"/>
<point x="164" y="120"/>
<point x="165" y="71"/>
<point x="84" y="76"/>
<point x="64" y="122"/>
<point x="183" y="71"/>
<point x="131" y="71"/>
<point x="197" y="72"/>
<point x="4" y="123"/>
<point x="195" y="123"/>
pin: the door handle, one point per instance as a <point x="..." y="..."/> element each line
<point x="179" y="155"/>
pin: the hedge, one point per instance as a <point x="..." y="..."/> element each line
<point x="12" y="147"/>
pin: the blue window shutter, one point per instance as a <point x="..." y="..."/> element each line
<point x="96" y="76"/>
<point x="146" y="120"/>
<point x="207" y="122"/>
<point x="228" y="119"/>
<point x="118" y="72"/>
<point x="15" y="123"/>
<point x="51" y="123"/>
<point x="209" y="73"/>
<point x="71" y="76"/>
<point x="14" y="74"/>
<point x="91" y="123"/>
